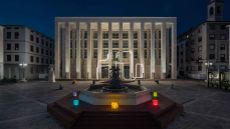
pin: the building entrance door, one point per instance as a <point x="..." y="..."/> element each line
<point x="104" y="72"/>
<point x="126" y="72"/>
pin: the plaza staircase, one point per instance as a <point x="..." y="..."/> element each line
<point x="116" y="120"/>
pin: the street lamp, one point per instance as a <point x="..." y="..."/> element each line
<point x="23" y="66"/>
<point x="208" y="64"/>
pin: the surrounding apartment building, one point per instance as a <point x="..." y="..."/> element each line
<point x="142" y="47"/>
<point x="23" y="45"/>
<point x="205" y="45"/>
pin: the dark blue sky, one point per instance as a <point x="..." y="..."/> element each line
<point x="40" y="14"/>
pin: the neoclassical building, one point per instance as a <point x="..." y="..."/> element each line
<point x="142" y="47"/>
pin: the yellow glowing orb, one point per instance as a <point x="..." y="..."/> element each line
<point x="114" y="105"/>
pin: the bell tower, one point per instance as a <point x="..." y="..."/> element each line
<point x="216" y="10"/>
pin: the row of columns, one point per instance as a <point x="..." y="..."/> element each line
<point x="61" y="48"/>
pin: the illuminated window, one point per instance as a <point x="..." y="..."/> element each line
<point x="125" y="35"/>
<point x="135" y="44"/>
<point x="115" y="35"/>
<point x="125" y="44"/>
<point x="105" y="44"/>
<point x="105" y="53"/>
<point x="105" y="35"/>
<point x="115" y="44"/>
<point x="94" y="53"/>
<point x="135" y="54"/>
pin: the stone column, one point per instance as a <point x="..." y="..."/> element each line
<point x="89" y="52"/>
<point x="153" y="56"/>
<point x="141" y="49"/>
<point x="78" y="57"/>
<point x="131" y="50"/>
<point x="110" y="45"/>
<point x="99" y="57"/>
<point x="2" y="52"/>
<point x="57" y="50"/>
<point x="228" y="46"/>
<point x="120" y="48"/>
<point x="67" y="51"/>
<point x="163" y="51"/>
<point x="174" y="51"/>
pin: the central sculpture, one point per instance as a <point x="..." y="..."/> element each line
<point x="115" y="82"/>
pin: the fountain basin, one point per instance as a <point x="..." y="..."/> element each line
<point x="131" y="97"/>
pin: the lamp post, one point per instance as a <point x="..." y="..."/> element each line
<point x="23" y="65"/>
<point x="208" y="64"/>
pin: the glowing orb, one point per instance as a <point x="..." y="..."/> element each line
<point x="114" y="105"/>
<point x="155" y="102"/>
<point x="75" y="102"/>
<point x="155" y="94"/>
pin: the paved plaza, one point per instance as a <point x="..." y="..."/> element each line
<point x="23" y="105"/>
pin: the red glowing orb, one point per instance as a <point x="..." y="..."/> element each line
<point x="155" y="102"/>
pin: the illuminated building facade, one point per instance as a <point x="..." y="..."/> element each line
<point x="142" y="47"/>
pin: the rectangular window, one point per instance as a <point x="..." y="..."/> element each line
<point x="125" y="35"/>
<point x="94" y="53"/>
<point x="199" y="39"/>
<point x="47" y="52"/>
<point x="114" y="53"/>
<point x="16" y="46"/>
<point x="222" y="47"/>
<point x="8" y="35"/>
<point x="16" y="35"/>
<point x="135" y="35"/>
<point x="115" y="35"/>
<point x="85" y="44"/>
<point x="16" y="58"/>
<point x="105" y="35"/>
<point x="31" y="70"/>
<point x="31" y="38"/>
<point x="95" y="44"/>
<point x="212" y="36"/>
<point x="146" y="54"/>
<point x="115" y="44"/>
<point x="222" y="57"/>
<point x="145" y="44"/>
<point x="85" y="35"/>
<point x="8" y="58"/>
<point x="8" y="47"/>
<point x="125" y="44"/>
<point x="37" y="49"/>
<point x="95" y="35"/>
<point x="31" y="59"/>
<point x="200" y="48"/>
<point x="135" y="54"/>
<point x="105" y="53"/>
<point x="37" y="59"/>
<point x="211" y="56"/>
<point x="37" y="40"/>
<point x="105" y="44"/>
<point x="42" y="51"/>
<point x="85" y="54"/>
<point x="145" y="35"/>
<point x="125" y="55"/>
<point x="31" y="48"/>
<point x="135" y="44"/>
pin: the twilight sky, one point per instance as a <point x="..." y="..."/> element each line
<point x="40" y="14"/>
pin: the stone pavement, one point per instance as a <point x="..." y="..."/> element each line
<point x="23" y="105"/>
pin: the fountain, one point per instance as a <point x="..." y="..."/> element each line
<point x="111" y="101"/>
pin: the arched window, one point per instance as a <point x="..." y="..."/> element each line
<point x="211" y="11"/>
